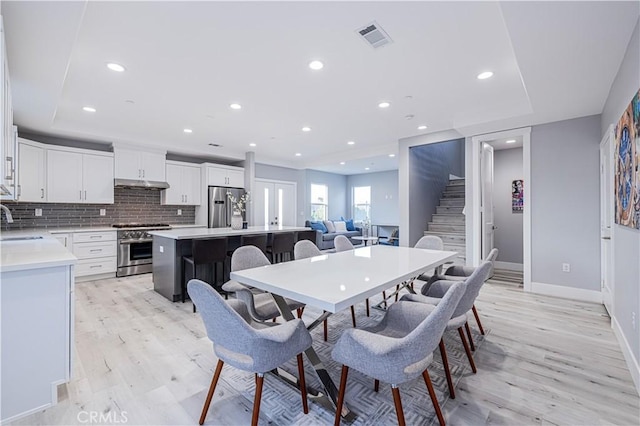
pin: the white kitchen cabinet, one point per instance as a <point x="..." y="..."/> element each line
<point x="139" y="165"/>
<point x="232" y="177"/>
<point x="96" y="252"/>
<point x="79" y="177"/>
<point x="8" y="132"/>
<point x="32" y="168"/>
<point x="184" y="184"/>
<point x="63" y="238"/>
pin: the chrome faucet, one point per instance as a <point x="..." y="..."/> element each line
<point x="7" y="213"/>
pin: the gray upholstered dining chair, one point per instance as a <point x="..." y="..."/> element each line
<point x="399" y="348"/>
<point x="459" y="272"/>
<point x="433" y="296"/>
<point x="261" y="305"/>
<point x="342" y="243"/>
<point x="237" y="343"/>
<point x="304" y="249"/>
<point x="431" y="242"/>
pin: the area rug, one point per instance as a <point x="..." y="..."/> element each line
<point x="281" y="402"/>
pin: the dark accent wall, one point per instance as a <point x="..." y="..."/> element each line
<point x="430" y="166"/>
<point x="130" y="206"/>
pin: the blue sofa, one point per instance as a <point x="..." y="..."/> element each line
<point x="324" y="241"/>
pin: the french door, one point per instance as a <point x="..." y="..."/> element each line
<point x="274" y="203"/>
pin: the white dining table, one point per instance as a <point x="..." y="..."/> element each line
<point x="333" y="282"/>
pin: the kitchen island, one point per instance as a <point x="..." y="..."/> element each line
<point x="36" y="310"/>
<point x="169" y="246"/>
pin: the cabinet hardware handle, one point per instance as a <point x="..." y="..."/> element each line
<point x="95" y="236"/>
<point x="85" y="195"/>
<point x="185" y="198"/>
<point x="42" y="193"/>
<point x="80" y="194"/>
<point x="95" y="266"/>
<point x="142" y="172"/>
<point x="139" y="173"/>
<point x="19" y="190"/>
<point x="94" y="250"/>
<point x="9" y="175"/>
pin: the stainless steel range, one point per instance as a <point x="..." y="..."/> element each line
<point x="135" y="253"/>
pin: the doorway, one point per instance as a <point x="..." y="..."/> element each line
<point x="274" y="203"/>
<point x="497" y="196"/>
<point x="606" y="221"/>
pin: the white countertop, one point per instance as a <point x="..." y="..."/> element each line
<point x="19" y="255"/>
<point x="204" y="232"/>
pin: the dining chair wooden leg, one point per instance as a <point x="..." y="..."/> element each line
<point x="256" y="400"/>
<point x="341" y="392"/>
<point x="447" y="371"/>
<point x="434" y="399"/>
<point x="299" y="312"/>
<point x="467" y="350"/>
<point x="398" y="403"/>
<point x="326" y="330"/>
<point x="376" y="385"/>
<point x="367" y="304"/>
<point x="384" y="298"/>
<point x="353" y="316"/>
<point x="468" y="329"/>
<point x="475" y="314"/>
<point x="212" y="389"/>
<point x="303" y="386"/>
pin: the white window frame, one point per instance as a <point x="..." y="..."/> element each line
<point x="354" y="206"/>
<point x="323" y="205"/>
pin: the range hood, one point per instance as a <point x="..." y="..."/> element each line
<point x="143" y="184"/>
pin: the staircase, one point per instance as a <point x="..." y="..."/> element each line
<point x="448" y="222"/>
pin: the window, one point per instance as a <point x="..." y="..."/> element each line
<point x="361" y="203"/>
<point x="319" y="202"/>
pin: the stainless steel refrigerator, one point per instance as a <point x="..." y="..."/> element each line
<point x="220" y="209"/>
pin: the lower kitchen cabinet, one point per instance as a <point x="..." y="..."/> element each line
<point x="96" y="252"/>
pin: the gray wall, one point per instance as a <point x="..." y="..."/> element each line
<point x="384" y="196"/>
<point x="565" y="203"/>
<point x="337" y="193"/>
<point x="429" y="169"/>
<point x="626" y="241"/>
<point x="507" y="164"/>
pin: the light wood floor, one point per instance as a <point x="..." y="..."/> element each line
<point x="545" y="361"/>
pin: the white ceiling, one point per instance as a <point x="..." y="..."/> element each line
<point x="187" y="61"/>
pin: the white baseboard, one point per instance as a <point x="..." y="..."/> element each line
<point x="509" y="266"/>
<point x="632" y="362"/>
<point x="567" y="292"/>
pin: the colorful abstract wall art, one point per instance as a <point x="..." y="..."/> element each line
<point x="627" y="166"/>
<point x="517" y="196"/>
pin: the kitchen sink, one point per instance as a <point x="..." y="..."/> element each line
<point x="25" y="238"/>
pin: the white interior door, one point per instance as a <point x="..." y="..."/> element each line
<point x="606" y="220"/>
<point x="488" y="226"/>
<point x="274" y="203"/>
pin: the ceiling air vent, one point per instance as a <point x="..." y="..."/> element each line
<point x="374" y="35"/>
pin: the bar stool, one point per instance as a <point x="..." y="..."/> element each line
<point x="307" y="235"/>
<point x="204" y="252"/>
<point x="259" y="240"/>
<point x="282" y="244"/>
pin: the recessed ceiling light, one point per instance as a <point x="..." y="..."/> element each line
<point x="115" y="67"/>
<point x="342" y="163"/>
<point x="392" y="155"/>
<point x="298" y="154"/>
<point x="252" y="144"/>
<point x="351" y="143"/>
<point x="485" y="75"/>
<point x="130" y="101"/>
<point x="366" y="168"/>
<point x="188" y="131"/>
<point x="235" y="106"/>
<point x="316" y="65"/>
<point x="511" y="141"/>
<point x="384" y="104"/>
<point x="409" y="117"/>
<point x="423" y="127"/>
<point x="89" y="109"/>
<point x="306" y="129"/>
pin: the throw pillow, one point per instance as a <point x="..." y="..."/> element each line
<point x="329" y="225"/>
<point x="340" y="226"/>
<point x="318" y="226"/>
<point x="350" y="225"/>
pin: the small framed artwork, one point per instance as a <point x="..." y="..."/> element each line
<point x="517" y="196"/>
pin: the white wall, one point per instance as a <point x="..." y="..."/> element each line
<point x="507" y="165"/>
<point x="626" y="241"/>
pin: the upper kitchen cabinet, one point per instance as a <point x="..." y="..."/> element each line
<point x="8" y="132"/>
<point x="32" y="166"/>
<point x="136" y="164"/>
<point x="79" y="176"/>
<point x="184" y="184"/>
<point x="219" y="175"/>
